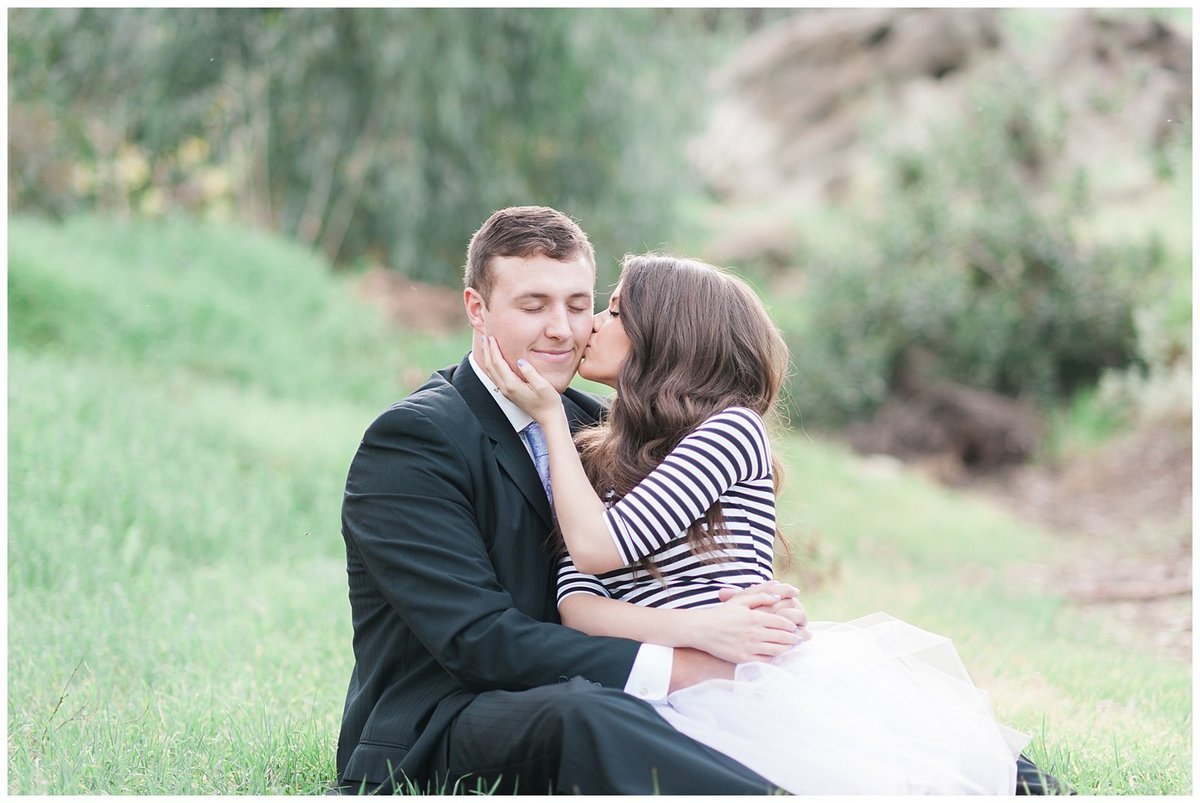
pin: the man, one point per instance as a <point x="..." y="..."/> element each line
<point x="462" y="670"/>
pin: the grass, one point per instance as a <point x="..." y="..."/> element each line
<point x="175" y="566"/>
<point x="1107" y="719"/>
<point x="1082" y="423"/>
<point x="179" y="582"/>
<point x="178" y="621"/>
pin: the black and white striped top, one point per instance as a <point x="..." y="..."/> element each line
<point x="727" y="457"/>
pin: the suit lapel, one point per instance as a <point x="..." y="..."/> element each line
<point x="510" y="450"/>
<point x="583" y="409"/>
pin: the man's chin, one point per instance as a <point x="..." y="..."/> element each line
<point x="559" y="378"/>
<point x="561" y="385"/>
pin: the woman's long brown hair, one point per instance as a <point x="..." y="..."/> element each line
<point x="700" y="342"/>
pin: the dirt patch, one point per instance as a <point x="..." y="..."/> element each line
<point x="1123" y="514"/>
<point x="412" y="305"/>
<point x="949" y="429"/>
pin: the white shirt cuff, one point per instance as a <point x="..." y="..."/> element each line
<point x="650" y="678"/>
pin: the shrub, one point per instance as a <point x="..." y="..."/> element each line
<point x="378" y="134"/>
<point x="973" y="258"/>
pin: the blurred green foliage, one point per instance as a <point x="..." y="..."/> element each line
<point x="974" y="260"/>
<point x="385" y="135"/>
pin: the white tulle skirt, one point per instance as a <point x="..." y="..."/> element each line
<point x="872" y="706"/>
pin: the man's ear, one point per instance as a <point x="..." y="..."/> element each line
<point x="475" y="306"/>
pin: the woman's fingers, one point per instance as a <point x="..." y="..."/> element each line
<point x="770" y="642"/>
<point x="777" y="635"/>
<point x="754" y="600"/>
<point x="499" y="363"/>
<point x="774" y="621"/>
<point x="522" y="384"/>
<point x="531" y="375"/>
<point x="781" y="589"/>
<point x="497" y="367"/>
<point x="784" y="624"/>
<point x="777" y="588"/>
<point x="767" y="651"/>
<point x="794" y="615"/>
<point x="489" y="362"/>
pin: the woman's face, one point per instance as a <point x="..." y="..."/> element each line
<point x="608" y="347"/>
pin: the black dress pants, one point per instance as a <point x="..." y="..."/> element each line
<point x="581" y="738"/>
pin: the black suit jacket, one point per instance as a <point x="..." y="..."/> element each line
<point x="451" y="576"/>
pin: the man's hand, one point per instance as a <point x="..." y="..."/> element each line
<point x="689" y="667"/>
<point x="774" y="597"/>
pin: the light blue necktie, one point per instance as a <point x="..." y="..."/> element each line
<point x="536" y="438"/>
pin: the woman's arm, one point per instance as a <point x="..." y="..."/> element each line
<point x="727" y="448"/>
<point x="737" y="631"/>
<point x="579" y="509"/>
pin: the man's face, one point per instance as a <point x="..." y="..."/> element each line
<point x="540" y="309"/>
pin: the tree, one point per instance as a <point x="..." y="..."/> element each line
<point x="381" y="133"/>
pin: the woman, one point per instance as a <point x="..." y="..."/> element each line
<point x="688" y="479"/>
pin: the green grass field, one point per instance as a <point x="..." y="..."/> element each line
<point x="184" y="401"/>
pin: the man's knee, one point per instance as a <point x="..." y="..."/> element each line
<point x="521" y="737"/>
<point x="535" y="720"/>
<point x="575" y="707"/>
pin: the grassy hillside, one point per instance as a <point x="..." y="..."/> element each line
<point x="183" y="403"/>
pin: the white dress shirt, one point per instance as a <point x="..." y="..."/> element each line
<point x="650" y="677"/>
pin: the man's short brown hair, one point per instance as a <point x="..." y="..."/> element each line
<point x="523" y="231"/>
